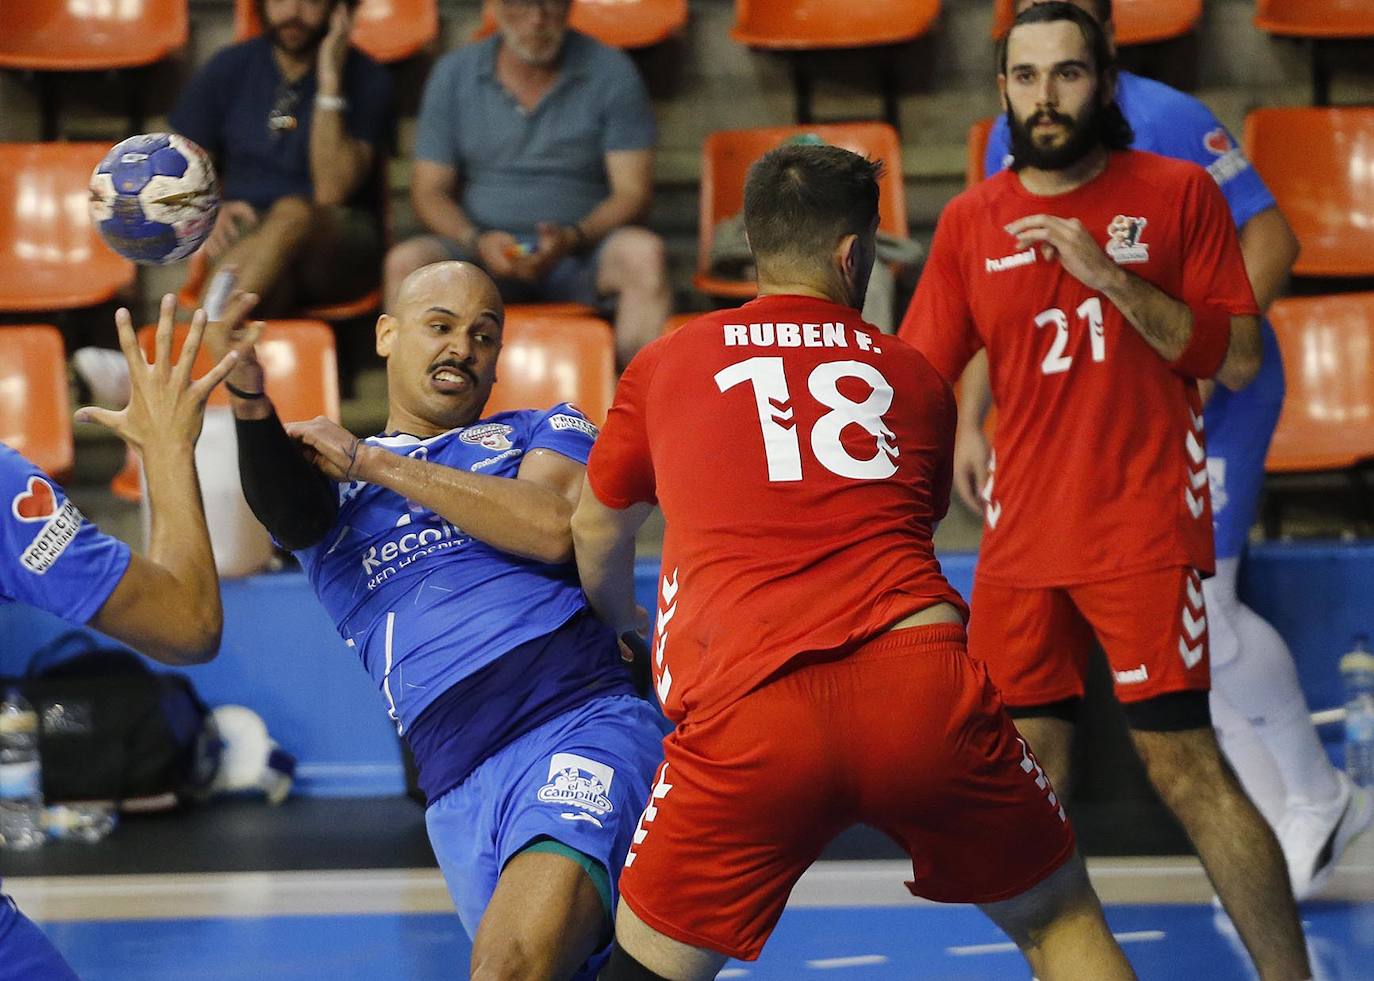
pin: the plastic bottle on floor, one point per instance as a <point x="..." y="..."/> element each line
<point x="21" y="774"/>
<point x="1357" y="670"/>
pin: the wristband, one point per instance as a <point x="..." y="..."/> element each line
<point x="333" y="103"/>
<point x="1207" y="346"/>
<point x="241" y="394"/>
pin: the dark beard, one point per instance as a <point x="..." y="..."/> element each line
<point x="311" y="42"/>
<point x="1085" y="136"/>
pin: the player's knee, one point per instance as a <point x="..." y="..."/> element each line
<point x="510" y="959"/>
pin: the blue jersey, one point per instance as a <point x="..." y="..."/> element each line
<point x="424" y="604"/>
<point x="50" y="556"/>
<point x="1172" y="124"/>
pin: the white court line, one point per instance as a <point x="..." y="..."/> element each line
<point x="973" y="950"/>
<point x="833" y="963"/>
<point x="1172" y="881"/>
<point x="733" y="972"/>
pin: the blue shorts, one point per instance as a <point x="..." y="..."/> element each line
<point x="581" y="779"/>
<point x="1239" y="426"/>
<point x="25" y="954"/>
<point x="571" y="280"/>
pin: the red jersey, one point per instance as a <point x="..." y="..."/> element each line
<point x="801" y="459"/>
<point x="1099" y="464"/>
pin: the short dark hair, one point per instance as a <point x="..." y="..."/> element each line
<point x="800" y="199"/>
<point x="260" y="8"/>
<point x="1114" y="131"/>
<point x="1103" y="7"/>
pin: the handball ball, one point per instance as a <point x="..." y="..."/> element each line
<point x="155" y="197"/>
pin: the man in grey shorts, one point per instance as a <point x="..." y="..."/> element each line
<point x="534" y="159"/>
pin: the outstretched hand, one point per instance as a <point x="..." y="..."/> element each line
<point x="166" y="407"/>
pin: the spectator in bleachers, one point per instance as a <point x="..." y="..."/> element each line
<point x="297" y="120"/>
<point x="534" y="159"/>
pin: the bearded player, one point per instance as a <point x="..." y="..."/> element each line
<point x="1258" y="707"/>
<point x="807" y="645"/>
<point x="1104" y="283"/>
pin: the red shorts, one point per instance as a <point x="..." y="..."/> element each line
<point x="1036" y="642"/>
<point x="907" y="735"/>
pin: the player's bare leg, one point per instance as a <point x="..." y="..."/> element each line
<point x="263" y="255"/>
<point x="644" y="954"/>
<point x="544" y="920"/>
<point x="1051" y="740"/>
<point x="1237" y="847"/>
<point x="1059" y="926"/>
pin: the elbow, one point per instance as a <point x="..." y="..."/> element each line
<point x="196" y="642"/>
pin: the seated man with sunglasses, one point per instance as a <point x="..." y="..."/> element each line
<point x="297" y="121"/>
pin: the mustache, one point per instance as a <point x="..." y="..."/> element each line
<point x="1049" y="116"/>
<point x="453" y="364"/>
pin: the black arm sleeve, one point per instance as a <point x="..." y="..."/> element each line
<point x="295" y="502"/>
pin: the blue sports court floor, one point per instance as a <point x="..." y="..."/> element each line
<point x="848" y="920"/>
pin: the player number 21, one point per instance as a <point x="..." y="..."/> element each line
<point x="1056" y="360"/>
<point x="777" y="418"/>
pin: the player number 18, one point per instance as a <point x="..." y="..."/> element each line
<point x="1056" y="360"/>
<point x="777" y="418"/>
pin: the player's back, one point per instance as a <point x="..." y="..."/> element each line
<point x="801" y="459"/>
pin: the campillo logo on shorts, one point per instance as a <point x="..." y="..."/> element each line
<point x="491" y="436"/>
<point x="575" y="781"/>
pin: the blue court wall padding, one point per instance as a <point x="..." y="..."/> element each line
<point x="282" y="658"/>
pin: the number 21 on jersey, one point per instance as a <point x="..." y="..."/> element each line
<point x="781" y="440"/>
<point x="1089" y="312"/>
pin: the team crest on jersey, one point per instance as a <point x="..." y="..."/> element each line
<point x="490" y="436"/>
<point x="575" y="781"/>
<point x="38" y="503"/>
<point x="1124" y="240"/>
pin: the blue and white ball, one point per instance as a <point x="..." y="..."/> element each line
<point x="155" y="197"/>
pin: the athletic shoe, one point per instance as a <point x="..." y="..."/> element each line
<point x="1314" y="836"/>
<point x="105" y="374"/>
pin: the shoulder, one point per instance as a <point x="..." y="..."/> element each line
<point x="462" y="63"/>
<point x="15" y="469"/>
<point x="1155" y="169"/>
<point x="599" y="60"/>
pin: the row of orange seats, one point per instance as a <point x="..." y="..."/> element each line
<point x="96" y="36"/>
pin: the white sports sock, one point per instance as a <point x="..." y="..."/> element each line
<point x="1253" y="671"/>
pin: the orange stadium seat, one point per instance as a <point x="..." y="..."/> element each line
<point x="386" y="30"/>
<point x="1320" y="165"/>
<point x="618" y="23"/>
<point x="73" y="36"/>
<point x="978" y="135"/>
<point x="35" y="417"/>
<point x="48" y="36"/>
<point x="1137" y="21"/>
<point x="54" y="259"/>
<point x="546" y="360"/>
<point x="726" y="159"/>
<point x="1328" y="359"/>
<point x="549" y="310"/>
<point x="826" y="24"/>
<point x="676" y="321"/>
<point x="302" y="378"/>
<point x="1316" y="18"/>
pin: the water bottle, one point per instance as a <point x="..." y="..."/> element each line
<point x="21" y="774"/>
<point x="1357" y="670"/>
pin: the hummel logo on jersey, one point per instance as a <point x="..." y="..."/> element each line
<point x="1132" y="677"/>
<point x="1011" y="261"/>
<point x="1124" y="243"/>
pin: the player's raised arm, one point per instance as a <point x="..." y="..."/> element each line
<point x="167" y="604"/>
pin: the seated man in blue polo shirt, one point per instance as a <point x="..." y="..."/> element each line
<point x="296" y="120"/>
<point x="534" y="159"/>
